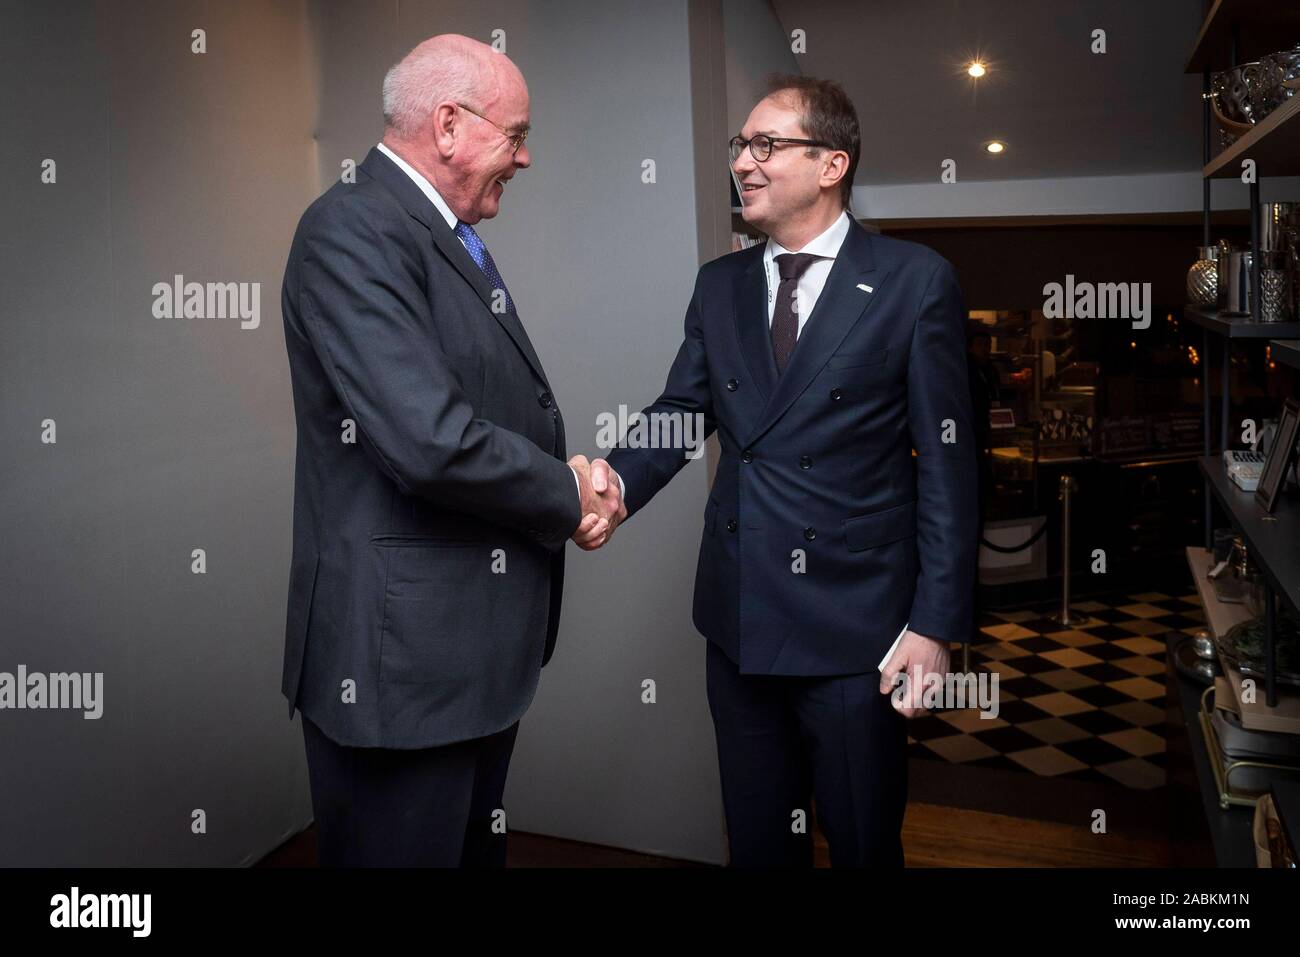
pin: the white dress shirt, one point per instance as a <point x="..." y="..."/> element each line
<point x="452" y="219"/>
<point x="826" y="247"/>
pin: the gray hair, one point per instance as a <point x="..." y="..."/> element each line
<point x="441" y="68"/>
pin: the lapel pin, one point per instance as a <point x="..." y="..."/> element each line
<point x="865" y="288"/>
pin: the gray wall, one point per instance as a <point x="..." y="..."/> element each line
<point x="176" y="434"/>
<point x="171" y="434"/>
<point x="756" y="45"/>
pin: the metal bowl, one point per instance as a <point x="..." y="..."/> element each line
<point x="1244" y="95"/>
<point x="1230" y="98"/>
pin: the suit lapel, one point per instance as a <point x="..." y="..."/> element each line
<point x="752" y="329"/>
<point x="380" y="167"/>
<point x="453" y="250"/>
<point x="839" y="307"/>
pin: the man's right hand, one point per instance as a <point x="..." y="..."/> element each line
<point x="597" y="510"/>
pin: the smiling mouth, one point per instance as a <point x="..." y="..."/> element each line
<point x="748" y="188"/>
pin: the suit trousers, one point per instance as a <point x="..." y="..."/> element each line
<point x="425" y="807"/>
<point x="783" y="741"/>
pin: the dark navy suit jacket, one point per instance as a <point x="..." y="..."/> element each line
<point x="424" y="591"/>
<point x="817" y="468"/>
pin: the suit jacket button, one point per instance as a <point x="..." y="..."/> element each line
<point x="544" y="400"/>
<point x="733" y="385"/>
<point x="732" y="525"/>
<point x="747" y="456"/>
<point x="810" y="533"/>
<point x="836" y="394"/>
<point x="805" y="462"/>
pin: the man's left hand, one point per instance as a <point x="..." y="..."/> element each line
<point x="929" y="655"/>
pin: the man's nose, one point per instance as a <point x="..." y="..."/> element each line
<point x="744" y="163"/>
<point x="522" y="159"/>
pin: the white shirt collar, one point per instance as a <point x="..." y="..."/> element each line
<point x="425" y="186"/>
<point x="826" y="245"/>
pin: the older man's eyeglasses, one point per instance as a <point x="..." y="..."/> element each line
<point x="516" y="139"/>
<point x="760" y="146"/>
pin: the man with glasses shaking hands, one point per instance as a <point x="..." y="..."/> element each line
<point x="833" y="556"/>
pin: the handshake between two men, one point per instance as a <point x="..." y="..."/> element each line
<point x="601" y="494"/>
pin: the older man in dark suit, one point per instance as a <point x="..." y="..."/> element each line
<point x="432" y="501"/>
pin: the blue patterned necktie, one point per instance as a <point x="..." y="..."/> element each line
<point x="483" y="259"/>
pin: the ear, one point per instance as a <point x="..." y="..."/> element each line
<point x="835" y="166"/>
<point x="445" y="120"/>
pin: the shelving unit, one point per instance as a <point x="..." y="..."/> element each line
<point x="1232" y="32"/>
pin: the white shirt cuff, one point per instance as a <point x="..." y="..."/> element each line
<point x="892" y="648"/>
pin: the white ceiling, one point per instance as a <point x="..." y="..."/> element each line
<point x="1062" y="110"/>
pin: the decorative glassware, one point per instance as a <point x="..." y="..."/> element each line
<point x="1203" y="277"/>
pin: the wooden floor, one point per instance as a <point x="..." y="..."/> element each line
<point x="936" y="836"/>
<point x="933" y="836"/>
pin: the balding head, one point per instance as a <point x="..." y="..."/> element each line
<point x="446" y="67"/>
<point x="451" y="107"/>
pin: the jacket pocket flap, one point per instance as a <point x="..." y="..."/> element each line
<point x="401" y="539"/>
<point x="880" y="528"/>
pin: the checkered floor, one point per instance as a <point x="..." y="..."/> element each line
<point x="1085" y="703"/>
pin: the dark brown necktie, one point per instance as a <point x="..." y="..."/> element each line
<point x="785" y="318"/>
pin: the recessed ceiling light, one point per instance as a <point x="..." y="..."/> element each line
<point x="976" y="69"/>
<point x="995" y="147"/>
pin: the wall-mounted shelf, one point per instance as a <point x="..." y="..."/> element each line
<point x="1274" y="145"/>
<point x="1240" y="327"/>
